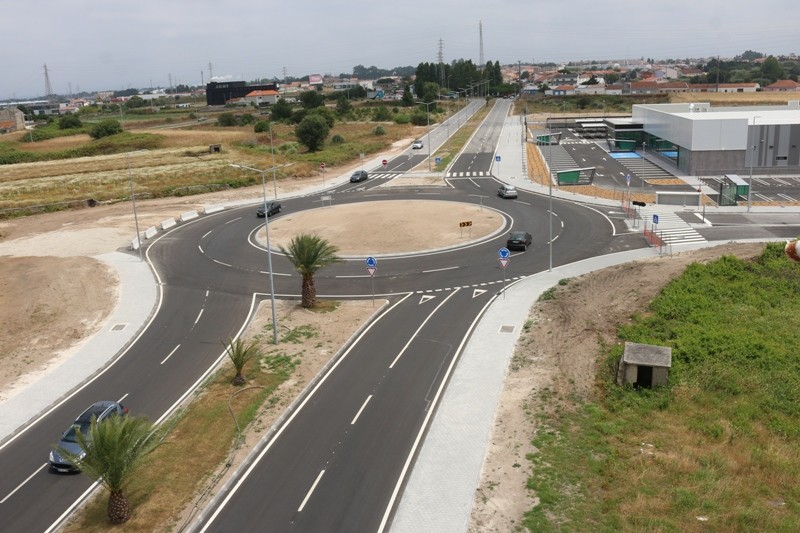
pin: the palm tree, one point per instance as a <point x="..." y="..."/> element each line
<point x="113" y="451"/>
<point x="240" y="353"/>
<point x="309" y="253"/>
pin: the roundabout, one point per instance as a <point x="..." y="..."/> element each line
<point x="390" y="227"/>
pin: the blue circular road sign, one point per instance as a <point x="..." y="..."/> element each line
<point x="371" y="262"/>
<point x="503" y="253"/>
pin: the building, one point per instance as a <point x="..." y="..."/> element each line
<point x="783" y="86"/>
<point x="704" y="140"/>
<point x="11" y="119"/>
<point x="218" y="93"/>
<point x="258" y="98"/>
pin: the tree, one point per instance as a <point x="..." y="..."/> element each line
<point x="771" y="69"/>
<point x="135" y="102"/>
<point x="104" y="128"/>
<point x="308" y="254"/>
<point x="240" y="353"/>
<point x="408" y="98"/>
<point x="114" y="450"/>
<point x="343" y="106"/>
<point x="68" y="122"/>
<point x="312" y="131"/>
<point x="381" y="114"/>
<point x="282" y="110"/>
<point x="311" y="99"/>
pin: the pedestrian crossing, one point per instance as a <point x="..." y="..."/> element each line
<point x="643" y="168"/>
<point x="671" y="228"/>
<point x="480" y="174"/>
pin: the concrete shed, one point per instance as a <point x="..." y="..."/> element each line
<point x="644" y="365"/>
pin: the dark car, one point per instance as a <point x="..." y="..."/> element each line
<point x="69" y="439"/>
<point x="519" y="240"/>
<point x="272" y="208"/>
<point x="359" y="175"/>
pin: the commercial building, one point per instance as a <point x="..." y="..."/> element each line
<point x="703" y="140"/>
<point x="218" y="93"/>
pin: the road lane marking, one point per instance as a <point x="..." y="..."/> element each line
<point x="353" y="423"/>
<point x="440" y="269"/>
<point x="221" y="263"/>
<point x="310" y="491"/>
<point x="207" y="234"/>
<point x="196" y="320"/>
<point x="10" y="494"/>
<point x="175" y="349"/>
<point x="411" y="339"/>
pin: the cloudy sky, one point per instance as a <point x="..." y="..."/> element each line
<point x="91" y="45"/>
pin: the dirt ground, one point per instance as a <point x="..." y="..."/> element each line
<point x="55" y="295"/>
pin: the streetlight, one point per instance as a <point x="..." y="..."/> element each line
<point x="752" y="158"/>
<point x="135" y="216"/>
<point x="269" y="249"/>
<point x="428" y="116"/>
<point x="550" y="186"/>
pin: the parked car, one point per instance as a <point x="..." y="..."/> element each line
<point x="416" y="145"/>
<point x="519" y="240"/>
<point x="359" y="175"/>
<point x="69" y="439"/>
<point x="507" y="191"/>
<point x="272" y="208"/>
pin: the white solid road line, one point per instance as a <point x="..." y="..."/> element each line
<point x="353" y="422"/>
<point x="175" y="349"/>
<point x="22" y="484"/>
<point x="310" y="491"/>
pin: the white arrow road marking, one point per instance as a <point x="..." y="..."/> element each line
<point x="477" y="292"/>
<point x="425" y="298"/>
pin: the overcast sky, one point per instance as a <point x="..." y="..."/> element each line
<point x="94" y="45"/>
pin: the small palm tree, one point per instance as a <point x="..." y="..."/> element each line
<point x="240" y="353"/>
<point x="113" y="451"/>
<point x="309" y="253"/>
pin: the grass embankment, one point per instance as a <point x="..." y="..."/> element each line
<point x="716" y="449"/>
<point x="204" y="435"/>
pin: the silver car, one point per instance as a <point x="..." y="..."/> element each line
<point x="507" y="191"/>
<point x="69" y="439"/>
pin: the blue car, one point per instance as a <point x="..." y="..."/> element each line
<point x="69" y="439"/>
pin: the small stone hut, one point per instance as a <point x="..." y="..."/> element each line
<point x="644" y="365"/>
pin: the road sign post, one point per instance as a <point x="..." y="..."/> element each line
<point x="372" y="267"/>
<point x="384" y="163"/>
<point x="322" y="168"/>
<point x="503" y="255"/>
<point x="497" y="158"/>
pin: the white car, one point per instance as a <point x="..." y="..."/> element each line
<point x="507" y="191"/>
<point x="416" y="145"/>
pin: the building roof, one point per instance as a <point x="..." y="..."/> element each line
<point x="262" y="93"/>
<point x="783" y="84"/>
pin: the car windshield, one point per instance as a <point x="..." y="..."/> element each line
<point x="518" y="235"/>
<point x="71" y="434"/>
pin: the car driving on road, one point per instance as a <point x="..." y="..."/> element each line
<point x="272" y="208"/>
<point x="359" y="175"/>
<point x="69" y="439"/>
<point x="417" y="144"/>
<point x="507" y="191"/>
<point x="519" y="240"/>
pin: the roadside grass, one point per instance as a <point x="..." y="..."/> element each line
<point x="716" y="449"/>
<point x="167" y="163"/>
<point x="203" y="437"/>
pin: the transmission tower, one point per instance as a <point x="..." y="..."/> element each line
<point x="210" y="72"/>
<point x="440" y="57"/>
<point x="480" y="38"/>
<point x="284" y="75"/>
<point x="48" y="89"/>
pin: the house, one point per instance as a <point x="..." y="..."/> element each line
<point x="11" y="119"/>
<point x="782" y="86"/>
<point x="259" y="98"/>
<point x="562" y="90"/>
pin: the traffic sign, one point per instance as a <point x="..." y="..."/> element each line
<point x="503" y="253"/>
<point x="504" y="262"/>
<point x="437" y="160"/>
<point x="497" y="158"/>
<point x="322" y="166"/>
<point x="628" y="179"/>
<point x="466" y="224"/>
<point x="384" y="162"/>
<point x="371" y="271"/>
<point x="655" y="219"/>
<point x="371" y="262"/>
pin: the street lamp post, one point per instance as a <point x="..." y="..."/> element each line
<point x="550" y="188"/>
<point x="269" y="249"/>
<point x="752" y="143"/>
<point x="135" y="216"/>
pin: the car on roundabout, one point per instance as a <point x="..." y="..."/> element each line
<point x="519" y="240"/>
<point x="272" y="209"/>
<point x="359" y="175"/>
<point x="417" y="144"/>
<point x="99" y="411"/>
<point x="507" y="191"/>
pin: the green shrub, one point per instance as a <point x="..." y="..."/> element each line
<point x="419" y="118"/>
<point x="105" y="128"/>
<point x="227" y="120"/>
<point x="337" y="139"/>
<point x="401" y="118"/>
<point x="68" y="122"/>
<point x="262" y="126"/>
<point x="378" y="130"/>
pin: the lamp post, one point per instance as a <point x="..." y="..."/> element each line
<point x="550" y="188"/>
<point x="135" y="216"/>
<point x="269" y="249"/>
<point x="428" y="117"/>
<point x="752" y="159"/>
